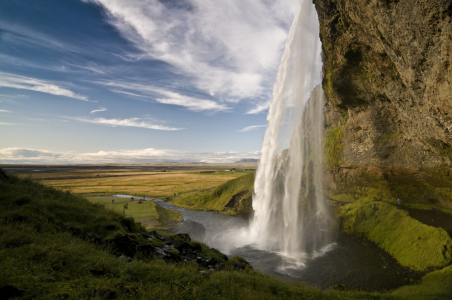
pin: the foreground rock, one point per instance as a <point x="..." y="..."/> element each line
<point x="174" y="248"/>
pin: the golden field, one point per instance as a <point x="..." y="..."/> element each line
<point x="154" y="183"/>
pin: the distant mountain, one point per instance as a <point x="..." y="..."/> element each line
<point x="247" y="160"/>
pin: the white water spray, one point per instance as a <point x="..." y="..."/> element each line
<point x="290" y="215"/>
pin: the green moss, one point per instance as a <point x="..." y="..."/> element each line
<point x="332" y="146"/>
<point x="342" y="197"/>
<point x="412" y="243"/>
<point x="386" y="138"/>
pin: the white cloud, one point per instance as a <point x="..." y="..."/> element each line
<point x="90" y="67"/>
<point x="6" y="124"/>
<point x="132" y="122"/>
<point x="4" y="111"/>
<point x="36" y="156"/>
<point x="251" y="128"/>
<point x="98" y="110"/>
<point x="259" y="108"/>
<point x="230" y="49"/>
<point x="32" y="84"/>
<point x="165" y="96"/>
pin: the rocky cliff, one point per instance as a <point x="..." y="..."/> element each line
<point x="388" y="84"/>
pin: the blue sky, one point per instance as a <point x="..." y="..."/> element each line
<point x="114" y="81"/>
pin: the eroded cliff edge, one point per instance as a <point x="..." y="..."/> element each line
<point x="388" y="114"/>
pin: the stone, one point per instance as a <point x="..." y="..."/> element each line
<point x="388" y="86"/>
<point x="125" y="258"/>
<point x="123" y="245"/>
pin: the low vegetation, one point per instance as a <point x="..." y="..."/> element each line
<point x="412" y="243"/>
<point x="149" y="214"/>
<point x="46" y="253"/>
<point x="232" y="197"/>
<point x="138" y="182"/>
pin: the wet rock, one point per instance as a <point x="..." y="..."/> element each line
<point x="150" y="235"/>
<point x="187" y="247"/>
<point x="238" y="265"/>
<point x="166" y="240"/>
<point x="94" y="238"/>
<point x="183" y="237"/>
<point x="125" y="258"/>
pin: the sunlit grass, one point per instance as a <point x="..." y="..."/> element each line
<point x="43" y="260"/>
<point x="153" y="183"/>
<point x="151" y="215"/>
<point x="238" y="190"/>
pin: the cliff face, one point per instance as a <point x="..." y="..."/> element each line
<point x="388" y="83"/>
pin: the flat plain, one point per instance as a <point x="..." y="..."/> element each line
<point x="148" y="182"/>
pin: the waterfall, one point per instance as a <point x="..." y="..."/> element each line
<point x="290" y="215"/>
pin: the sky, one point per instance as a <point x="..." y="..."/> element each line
<point x="137" y="81"/>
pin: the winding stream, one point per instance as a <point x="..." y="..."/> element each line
<point x="347" y="261"/>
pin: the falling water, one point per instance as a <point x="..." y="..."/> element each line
<point x="290" y="215"/>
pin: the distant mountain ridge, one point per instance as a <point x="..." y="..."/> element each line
<point x="244" y="160"/>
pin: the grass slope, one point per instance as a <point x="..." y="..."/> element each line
<point x="232" y="197"/>
<point x="411" y="242"/>
<point x="41" y="259"/>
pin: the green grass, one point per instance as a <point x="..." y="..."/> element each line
<point x="151" y="183"/>
<point x="43" y="260"/>
<point x="411" y="242"/>
<point x="332" y="145"/>
<point x="151" y="215"/>
<point x="237" y="193"/>
<point x="435" y="285"/>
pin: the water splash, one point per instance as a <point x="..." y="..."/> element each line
<point x="290" y="215"/>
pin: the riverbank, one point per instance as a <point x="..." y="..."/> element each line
<point x="44" y="257"/>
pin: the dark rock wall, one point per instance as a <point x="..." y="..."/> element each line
<point x="388" y="83"/>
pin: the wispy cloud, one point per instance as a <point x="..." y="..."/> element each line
<point x="16" y="34"/>
<point x="229" y="49"/>
<point x="259" y="108"/>
<point x="33" y="84"/>
<point x="132" y="122"/>
<point x="6" y="124"/>
<point x="251" y="128"/>
<point x="5" y="111"/>
<point x="165" y="96"/>
<point x="39" y="156"/>
<point x="90" y="67"/>
<point x="98" y="110"/>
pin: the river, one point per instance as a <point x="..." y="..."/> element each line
<point x="349" y="262"/>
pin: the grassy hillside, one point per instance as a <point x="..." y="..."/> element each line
<point x="52" y="246"/>
<point x="232" y="197"/>
<point x="411" y="242"/>
<point x="149" y="214"/>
